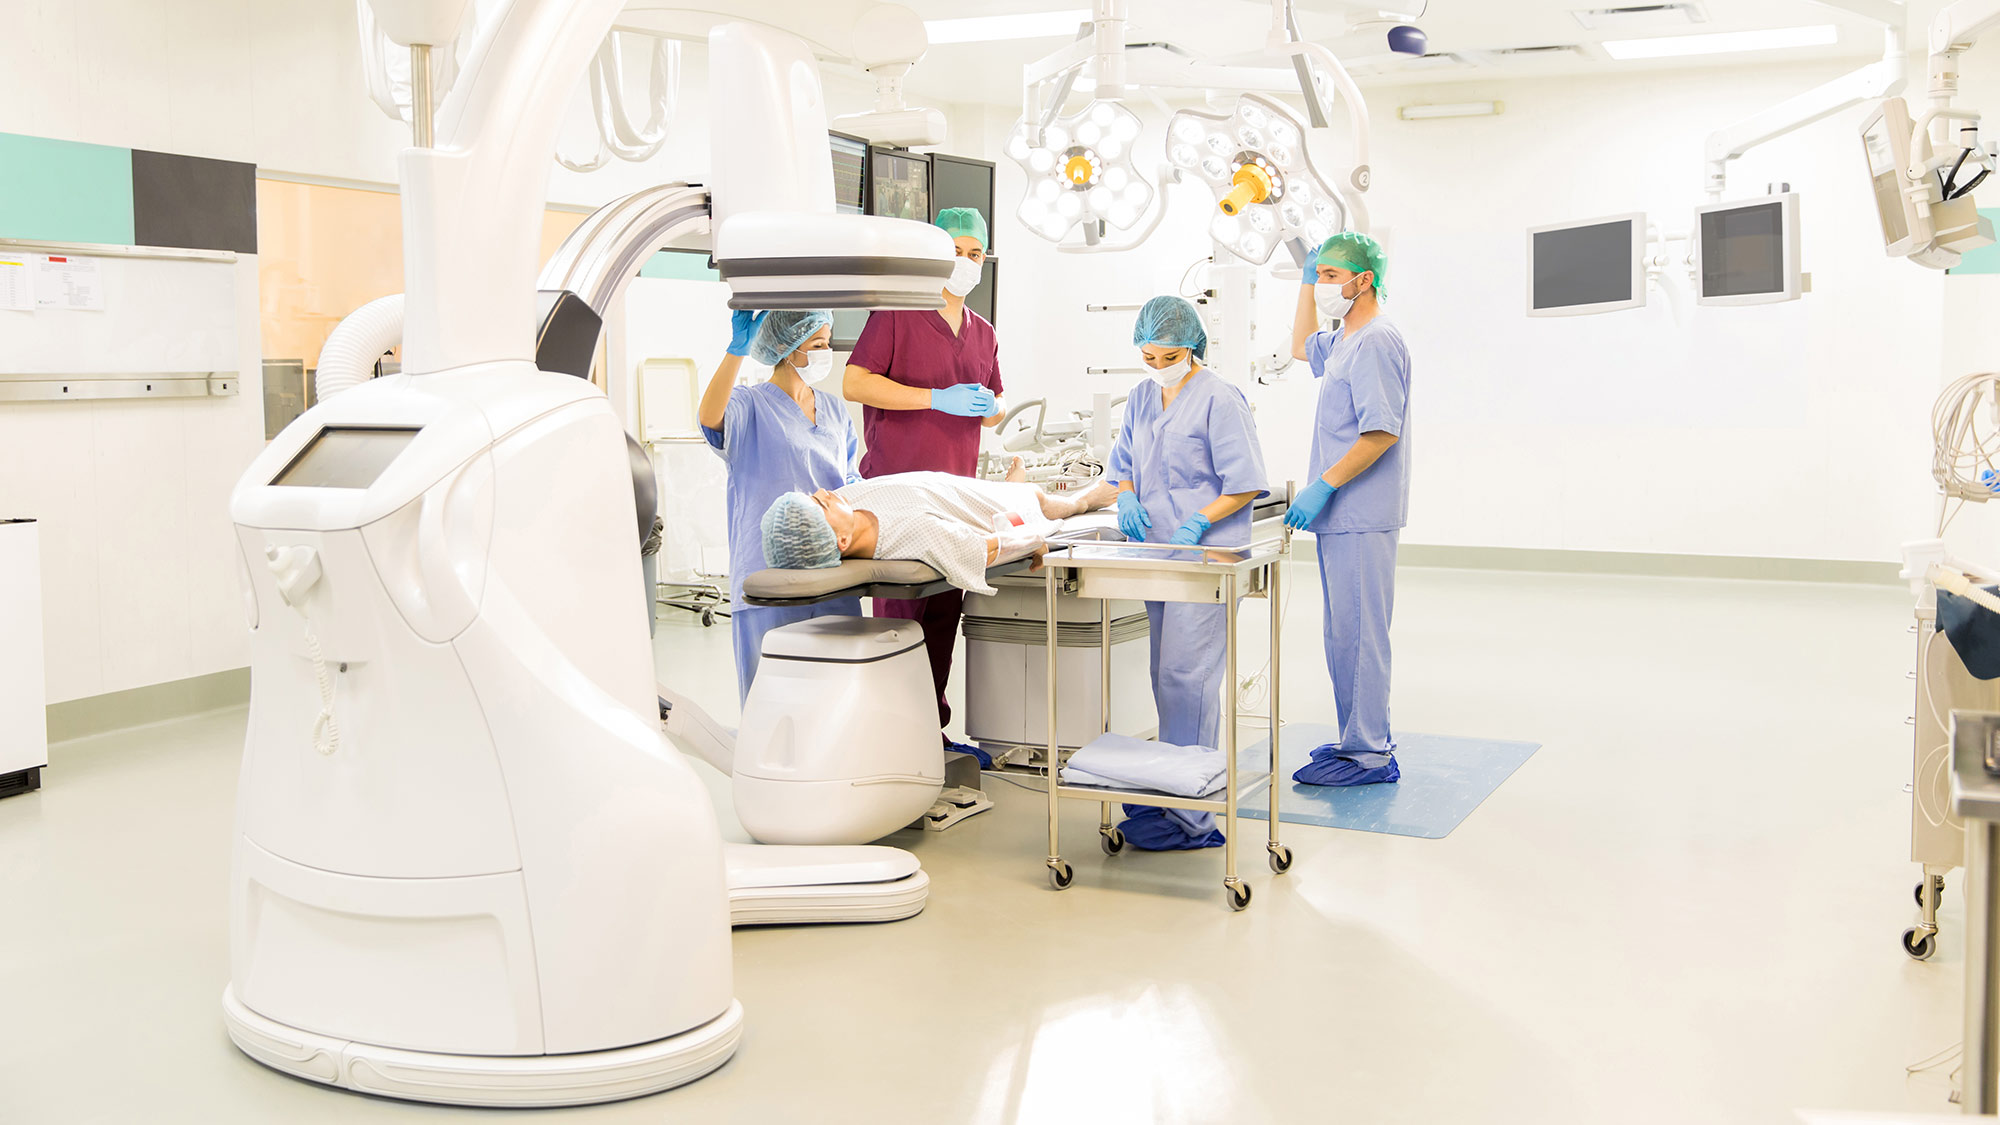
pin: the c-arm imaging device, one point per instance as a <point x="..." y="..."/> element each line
<point x="467" y="867"/>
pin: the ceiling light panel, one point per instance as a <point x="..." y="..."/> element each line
<point x="1728" y="42"/>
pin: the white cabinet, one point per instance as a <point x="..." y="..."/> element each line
<point x="24" y="742"/>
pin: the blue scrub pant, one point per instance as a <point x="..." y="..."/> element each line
<point x="1188" y="658"/>
<point x="1357" y="571"/>
<point x="749" y="623"/>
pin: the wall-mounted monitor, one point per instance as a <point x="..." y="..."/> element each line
<point x="850" y="173"/>
<point x="958" y="181"/>
<point x="899" y="184"/>
<point x="1885" y="139"/>
<point x="1747" y="252"/>
<point x="1589" y="267"/>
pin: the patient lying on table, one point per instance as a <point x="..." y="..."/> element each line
<point x="957" y="525"/>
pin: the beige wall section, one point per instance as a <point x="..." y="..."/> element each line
<point x="325" y="251"/>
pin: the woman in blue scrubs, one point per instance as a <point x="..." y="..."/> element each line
<point x="1188" y="466"/>
<point x="782" y="435"/>
<point x="1360" y="498"/>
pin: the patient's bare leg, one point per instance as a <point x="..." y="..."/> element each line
<point x="1017" y="473"/>
<point x="1062" y="507"/>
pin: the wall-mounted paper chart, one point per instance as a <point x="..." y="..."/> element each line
<point x="64" y="281"/>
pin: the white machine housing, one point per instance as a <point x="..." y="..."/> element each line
<point x="1006" y="673"/>
<point x="839" y="742"/>
<point x="24" y="735"/>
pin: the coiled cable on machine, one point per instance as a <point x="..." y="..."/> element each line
<point x="1964" y="446"/>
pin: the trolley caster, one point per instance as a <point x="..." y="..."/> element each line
<point x="1918" y="944"/>
<point x="1281" y="858"/>
<point x="1111" y="840"/>
<point x="1937" y="882"/>
<point x="1239" y="894"/>
<point x="1060" y="875"/>
<point x="707" y="619"/>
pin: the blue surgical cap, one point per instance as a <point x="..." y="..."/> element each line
<point x="963" y="222"/>
<point x="1356" y="253"/>
<point x="1171" y="322"/>
<point x="797" y="536"/>
<point x="782" y="332"/>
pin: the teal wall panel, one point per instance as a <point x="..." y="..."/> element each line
<point x="679" y="265"/>
<point x="1986" y="259"/>
<point x="62" y="191"/>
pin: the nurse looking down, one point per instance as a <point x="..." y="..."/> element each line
<point x="928" y="382"/>
<point x="1188" y="466"/>
<point x="776" y="437"/>
<point x="1360" y="500"/>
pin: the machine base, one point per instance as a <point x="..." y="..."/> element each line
<point x="778" y="885"/>
<point x="20" y="781"/>
<point x="486" y="1080"/>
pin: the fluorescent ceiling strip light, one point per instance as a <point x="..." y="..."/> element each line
<point x="993" y="29"/>
<point x="1722" y="43"/>
<point x="1450" y="109"/>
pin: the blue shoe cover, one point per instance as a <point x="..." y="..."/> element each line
<point x="1330" y="767"/>
<point x="1152" y="829"/>
<point x="985" y="759"/>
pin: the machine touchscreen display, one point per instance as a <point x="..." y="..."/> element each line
<point x="345" y="457"/>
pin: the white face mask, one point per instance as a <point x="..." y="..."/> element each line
<point x="818" y="364"/>
<point x="1172" y="373"/>
<point x="1332" y="300"/>
<point x="964" y="277"/>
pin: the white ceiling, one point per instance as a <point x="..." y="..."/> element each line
<point x="991" y="72"/>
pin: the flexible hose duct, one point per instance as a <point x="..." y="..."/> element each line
<point x="349" y="354"/>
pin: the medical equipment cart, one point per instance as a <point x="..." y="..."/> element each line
<point x="1975" y="802"/>
<point x="1107" y="571"/>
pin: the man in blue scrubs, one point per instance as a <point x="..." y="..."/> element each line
<point x="1359" y="499"/>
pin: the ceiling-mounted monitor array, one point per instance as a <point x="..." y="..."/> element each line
<point x="1744" y="252"/>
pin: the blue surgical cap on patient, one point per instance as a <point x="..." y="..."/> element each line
<point x="1171" y="322"/>
<point x="797" y="536"/>
<point x="783" y="331"/>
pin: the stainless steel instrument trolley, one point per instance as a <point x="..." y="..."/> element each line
<point x="1107" y="571"/>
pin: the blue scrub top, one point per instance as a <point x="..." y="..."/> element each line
<point x="771" y="449"/>
<point x="1183" y="456"/>
<point x="1364" y="387"/>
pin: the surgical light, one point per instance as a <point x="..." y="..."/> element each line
<point x="1267" y="191"/>
<point x="1080" y="171"/>
<point x="1722" y="43"/>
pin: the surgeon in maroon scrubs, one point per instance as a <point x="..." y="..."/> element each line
<point x="928" y="382"/>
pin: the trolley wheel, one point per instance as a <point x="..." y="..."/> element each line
<point x="1937" y="881"/>
<point x="1060" y="875"/>
<point x="1919" y="944"/>
<point x="1239" y="895"/>
<point x="1111" y="840"/>
<point x="707" y="618"/>
<point x="1281" y="858"/>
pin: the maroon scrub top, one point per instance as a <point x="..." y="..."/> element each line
<point x="915" y="347"/>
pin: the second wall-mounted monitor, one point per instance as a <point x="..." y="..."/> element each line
<point x="1747" y="252"/>
<point x="1594" y="266"/>
<point x="899" y="184"/>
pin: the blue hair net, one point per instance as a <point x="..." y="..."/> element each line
<point x="797" y="536"/>
<point x="782" y="332"/>
<point x="1171" y="322"/>
<point x="1356" y="253"/>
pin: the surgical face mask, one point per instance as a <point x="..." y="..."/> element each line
<point x="1172" y="373"/>
<point x="1332" y="299"/>
<point x="818" y="364"/>
<point x="964" y="277"/>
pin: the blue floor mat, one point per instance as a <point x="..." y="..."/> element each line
<point x="1444" y="779"/>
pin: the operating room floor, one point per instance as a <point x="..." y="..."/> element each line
<point x="1685" y="907"/>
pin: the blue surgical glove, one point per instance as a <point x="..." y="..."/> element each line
<point x="742" y="326"/>
<point x="1307" y="505"/>
<point x="1132" y="517"/>
<point x="967" y="400"/>
<point x="1190" y="533"/>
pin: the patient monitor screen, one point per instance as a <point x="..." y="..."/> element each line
<point x="345" y="456"/>
<point x="1881" y="145"/>
<point x="1743" y="251"/>
<point x="1589" y="265"/>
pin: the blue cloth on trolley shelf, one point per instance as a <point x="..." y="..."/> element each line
<point x="1973" y="630"/>
<point x="1119" y="761"/>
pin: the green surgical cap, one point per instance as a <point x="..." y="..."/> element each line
<point x="1356" y="253"/>
<point x="963" y="222"/>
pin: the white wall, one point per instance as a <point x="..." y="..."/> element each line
<point x="1796" y="430"/>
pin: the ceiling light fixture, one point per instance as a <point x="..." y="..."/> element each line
<point x="1727" y="42"/>
<point x="994" y="29"/>
<point x="1451" y="109"/>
